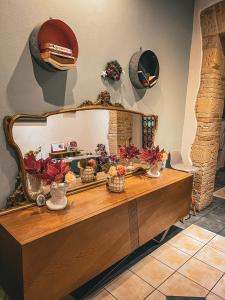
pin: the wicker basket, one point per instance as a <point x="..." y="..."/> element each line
<point x="116" y="184"/>
<point x="87" y="175"/>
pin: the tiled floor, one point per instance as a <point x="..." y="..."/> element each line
<point x="211" y="218"/>
<point x="190" y="264"/>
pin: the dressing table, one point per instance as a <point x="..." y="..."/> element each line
<point x="46" y="255"/>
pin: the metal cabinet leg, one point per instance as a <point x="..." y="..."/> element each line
<point x="162" y="237"/>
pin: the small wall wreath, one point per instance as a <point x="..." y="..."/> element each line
<point x="113" y="71"/>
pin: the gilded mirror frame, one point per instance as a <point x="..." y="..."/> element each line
<point x="21" y="189"/>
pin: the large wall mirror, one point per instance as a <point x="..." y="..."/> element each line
<point x="73" y="135"/>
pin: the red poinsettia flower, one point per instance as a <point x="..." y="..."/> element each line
<point x="153" y="155"/>
<point x="55" y="172"/>
<point x="128" y="152"/>
<point x="32" y="165"/>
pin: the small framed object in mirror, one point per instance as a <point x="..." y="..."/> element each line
<point x="58" y="147"/>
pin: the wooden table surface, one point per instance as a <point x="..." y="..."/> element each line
<point x="32" y="223"/>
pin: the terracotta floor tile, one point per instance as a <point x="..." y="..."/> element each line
<point x="199" y="233"/>
<point x="219" y="288"/>
<point x="212" y="257"/>
<point x="212" y="296"/>
<point x="201" y="273"/>
<point x="218" y="242"/>
<point x="152" y="271"/>
<point x="156" y="295"/>
<point x="101" y="295"/>
<point x="186" y="243"/>
<point x="171" y="256"/>
<point x="129" y="286"/>
<point x="178" y="285"/>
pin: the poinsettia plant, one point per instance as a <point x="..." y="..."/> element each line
<point x="128" y="152"/>
<point x="55" y="172"/>
<point x="152" y="155"/>
<point x="34" y="166"/>
<point x="46" y="169"/>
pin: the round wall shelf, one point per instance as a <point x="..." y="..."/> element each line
<point x="144" y="69"/>
<point x="54" y="46"/>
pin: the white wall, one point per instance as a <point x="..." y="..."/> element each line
<point x="87" y="128"/>
<point x="190" y="122"/>
<point x="105" y="29"/>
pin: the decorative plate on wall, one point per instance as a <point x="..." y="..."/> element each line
<point x="54" y="46"/>
<point x="144" y="69"/>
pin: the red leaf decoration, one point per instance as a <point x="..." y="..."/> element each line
<point x="128" y="152"/>
<point x="46" y="169"/>
<point x="152" y="156"/>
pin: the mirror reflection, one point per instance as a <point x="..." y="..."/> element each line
<point x="84" y="141"/>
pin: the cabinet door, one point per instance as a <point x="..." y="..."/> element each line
<point x="163" y="208"/>
<point x="57" y="264"/>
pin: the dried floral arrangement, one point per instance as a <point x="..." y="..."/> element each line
<point x="128" y="152"/>
<point x="47" y="169"/>
<point x="34" y="166"/>
<point x="101" y="151"/>
<point x="118" y="170"/>
<point x="113" y="71"/>
<point x="55" y="172"/>
<point x="153" y="155"/>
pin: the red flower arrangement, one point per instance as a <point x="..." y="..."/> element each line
<point x="128" y="152"/>
<point x="45" y="169"/>
<point x="153" y="155"/>
<point x="55" y="172"/>
<point x="34" y="166"/>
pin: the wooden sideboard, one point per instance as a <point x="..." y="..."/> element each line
<point x="46" y="255"/>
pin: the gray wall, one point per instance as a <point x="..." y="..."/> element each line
<point x="105" y="29"/>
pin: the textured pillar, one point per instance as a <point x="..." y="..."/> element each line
<point x="209" y="104"/>
<point x="120" y="129"/>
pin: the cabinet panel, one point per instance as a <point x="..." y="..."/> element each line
<point x="72" y="256"/>
<point x="163" y="208"/>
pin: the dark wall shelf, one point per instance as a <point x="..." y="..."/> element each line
<point x="144" y="69"/>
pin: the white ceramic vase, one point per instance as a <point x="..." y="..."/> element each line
<point x="154" y="170"/>
<point x="58" y="198"/>
<point x="130" y="166"/>
<point x="163" y="165"/>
